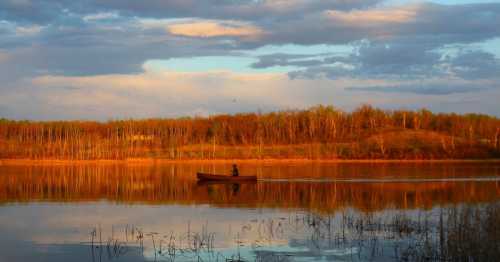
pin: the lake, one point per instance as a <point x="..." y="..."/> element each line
<point x="294" y="212"/>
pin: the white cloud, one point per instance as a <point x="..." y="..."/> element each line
<point x="170" y="93"/>
<point x="28" y="30"/>
<point x="100" y="16"/>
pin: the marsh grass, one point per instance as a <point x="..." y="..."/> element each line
<point x="188" y="246"/>
<point x="456" y="233"/>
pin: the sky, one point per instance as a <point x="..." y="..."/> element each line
<point x="115" y="59"/>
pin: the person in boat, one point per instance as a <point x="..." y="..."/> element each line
<point x="235" y="171"/>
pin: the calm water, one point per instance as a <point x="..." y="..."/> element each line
<point x="302" y="212"/>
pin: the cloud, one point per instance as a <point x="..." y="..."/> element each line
<point x="45" y="12"/>
<point x="156" y="93"/>
<point x="475" y="64"/>
<point x="100" y="49"/>
<point x="100" y="16"/>
<point x="395" y="60"/>
<point x="432" y="87"/>
<point x="215" y="29"/>
<point x="406" y="67"/>
<point x="30" y="11"/>
<point x="160" y="93"/>
<point x="96" y="37"/>
<point x="96" y="51"/>
<point x="228" y="10"/>
<point x="28" y="30"/>
<point x="423" y="23"/>
<point x="3" y="56"/>
<point x="368" y="18"/>
<point x="283" y="59"/>
<point x="378" y="60"/>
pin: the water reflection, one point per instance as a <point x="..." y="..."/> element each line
<point x="176" y="184"/>
<point x="293" y="213"/>
<point x="246" y="235"/>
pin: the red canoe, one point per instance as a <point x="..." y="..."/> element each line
<point x="212" y="177"/>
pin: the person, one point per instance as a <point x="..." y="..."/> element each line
<point x="235" y="170"/>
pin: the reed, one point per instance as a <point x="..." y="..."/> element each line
<point x="456" y="233"/>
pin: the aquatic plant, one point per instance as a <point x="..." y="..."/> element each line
<point x="456" y="233"/>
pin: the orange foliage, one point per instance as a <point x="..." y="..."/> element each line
<point x="320" y="132"/>
<point x="176" y="184"/>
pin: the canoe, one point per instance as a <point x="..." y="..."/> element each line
<point x="213" y="177"/>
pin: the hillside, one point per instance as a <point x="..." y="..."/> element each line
<point x="317" y="133"/>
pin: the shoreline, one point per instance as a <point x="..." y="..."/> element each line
<point x="239" y="161"/>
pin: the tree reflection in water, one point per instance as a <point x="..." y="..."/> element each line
<point x="291" y="219"/>
<point x="176" y="184"/>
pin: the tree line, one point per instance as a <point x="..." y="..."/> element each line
<point x="318" y="132"/>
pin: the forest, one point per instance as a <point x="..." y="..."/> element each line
<point x="320" y="132"/>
